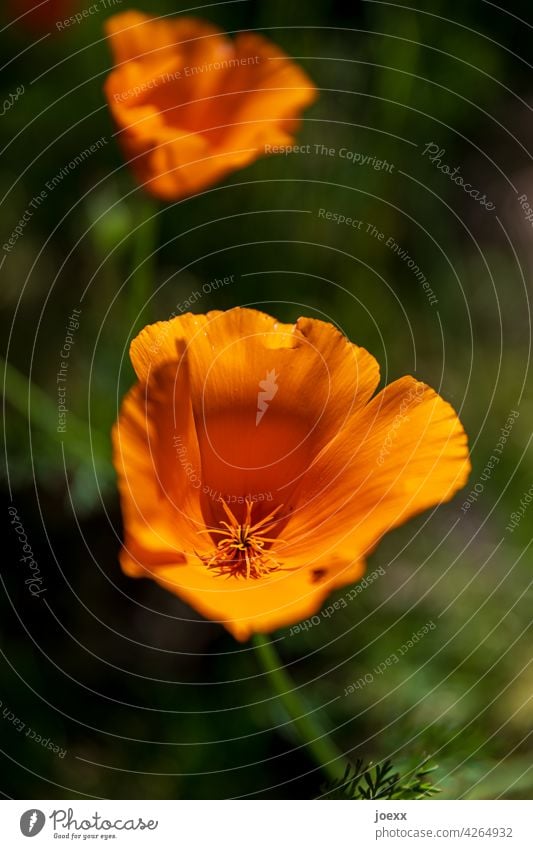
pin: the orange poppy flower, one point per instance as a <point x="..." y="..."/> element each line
<point x="194" y="105"/>
<point x="256" y="471"/>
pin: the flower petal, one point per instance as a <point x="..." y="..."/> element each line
<point x="137" y="37"/>
<point x="155" y="453"/>
<point x="266" y="396"/>
<point x="237" y="404"/>
<point x="193" y="104"/>
<point x="405" y="452"/>
<point x="246" y="607"/>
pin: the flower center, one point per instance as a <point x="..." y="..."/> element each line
<point x="242" y="551"/>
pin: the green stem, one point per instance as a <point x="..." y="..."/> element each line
<point x="141" y="283"/>
<point x="317" y="741"/>
<point x="42" y="413"/>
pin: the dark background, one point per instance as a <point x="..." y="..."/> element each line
<point x="148" y="700"/>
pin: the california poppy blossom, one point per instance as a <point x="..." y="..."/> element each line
<point x="256" y="471"/>
<point x="193" y="104"/>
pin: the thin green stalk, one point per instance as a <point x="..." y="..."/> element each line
<point x="141" y="282"/>
<point x="19" y="391"/>
<point x="317" y="741"/>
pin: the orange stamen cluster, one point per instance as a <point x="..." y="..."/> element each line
<point x="242" y="551"/>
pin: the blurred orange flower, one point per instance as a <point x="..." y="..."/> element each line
<point x="194" y="105"/>
<point x="256" y="471"/>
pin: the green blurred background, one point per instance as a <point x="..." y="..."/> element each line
<point x="147" y="700"/>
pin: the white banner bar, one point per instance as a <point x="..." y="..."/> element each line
<point x="268" y="824"/>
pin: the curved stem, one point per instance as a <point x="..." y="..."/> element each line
<point x="317" y="741"/>
<point x="141" y="284"/>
